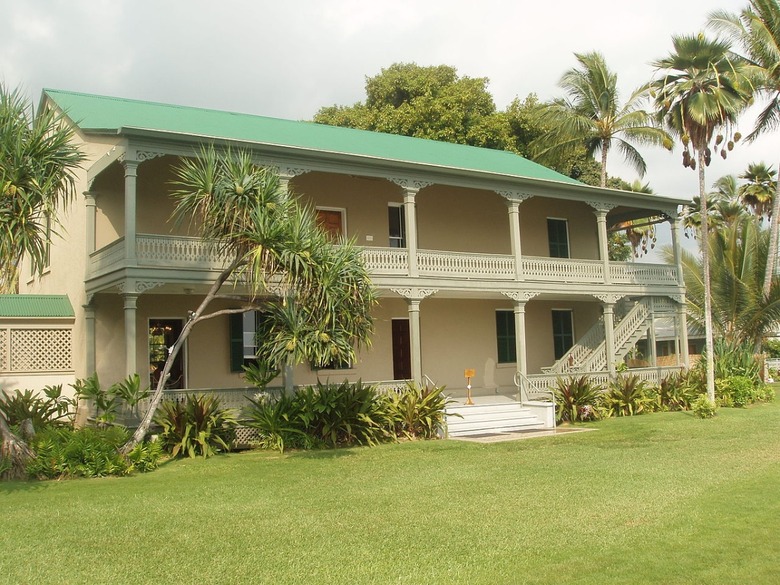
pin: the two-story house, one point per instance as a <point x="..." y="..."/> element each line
<point x="483" y="260"/>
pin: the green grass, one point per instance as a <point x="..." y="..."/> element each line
<point x="662" y="498"/>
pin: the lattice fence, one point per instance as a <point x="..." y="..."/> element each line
<point x="36" y="350"/>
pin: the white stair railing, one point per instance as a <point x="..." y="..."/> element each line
<point x="633" y="320"/>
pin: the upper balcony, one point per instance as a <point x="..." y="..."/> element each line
<point x="178" y="252"/>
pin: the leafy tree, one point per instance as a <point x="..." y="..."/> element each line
<point x="740" y="311"/>
<point x="758" y="192"/>
<point x="592" y="116"/>
<point x="700" y="91"/>
<point x="757" y="29"/>
<point x="425" y="102"/>
<point x="316" y="296"/>
<point x="724" y="207"/>
<point x="37" y="164"/>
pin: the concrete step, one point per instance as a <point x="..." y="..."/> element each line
<point x="490" y="418"/>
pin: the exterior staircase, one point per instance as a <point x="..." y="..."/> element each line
<point x="589" y="354"/>
<point x="492" y="417"/>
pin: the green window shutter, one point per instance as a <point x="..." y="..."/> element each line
<point x="563" y="332"/>
<point x="558" y="237"/>
<point x="236" y="342"/>
<point x="505" y="337"/>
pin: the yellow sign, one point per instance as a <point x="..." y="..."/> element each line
<point x="469" y="373"/>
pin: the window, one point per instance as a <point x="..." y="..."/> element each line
<point x="332" y="220"/>
<point x="505" y="337"/>
<point x="243" y="339"/>
<point x="558" y="237"/>
<point x="397" y="225"/>
<point x="563" y="332"/>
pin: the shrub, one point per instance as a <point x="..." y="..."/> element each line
<point x="733" y="359"/>
<point x="577" y="399"/>
<point x="145" y="456"/>
<point x="129" y="390"/>
<point x="703" y="407"/>
<point x="50" y="409"/>
<point x="342" y="414"/>
<point x="418" y="413"/>
<point x="88" y="452"/>
<point x="678" y="391"/>
<point x="627" y="396"/>
<point x="105" y="401"/>
<point x="737" y="391"/>
<point x="277" y="420"/>
<point x="196" y="426"/>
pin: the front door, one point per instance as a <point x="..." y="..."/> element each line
<point x="402" y="351"/>
<point x="163" y="333"/>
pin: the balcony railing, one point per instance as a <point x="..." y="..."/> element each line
<point x="187" y="252"/>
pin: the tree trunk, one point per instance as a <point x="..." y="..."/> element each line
<point x="146" y="421"/>
<point x="604" y="150"/>
<point x="15" y="450"/>
<point x="705" y="259"/>
<point x="771" y="257"/>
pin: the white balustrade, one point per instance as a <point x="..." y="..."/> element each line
<point x="466" y="265"/>
<point x="107" y="257"/>
<point x="386" y="260"/>
<point x="177" y="251"/>
<point x="639" y="273"/>
<point x="562" y="269"/>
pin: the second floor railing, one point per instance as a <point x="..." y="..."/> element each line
<point x="189" y="252"/>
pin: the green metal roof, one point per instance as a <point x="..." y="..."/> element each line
<point x="35" y="306"/>
<point x="93" y="113"/>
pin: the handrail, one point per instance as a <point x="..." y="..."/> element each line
<point x="427" y="379"/>
<point x="519" y="378"/>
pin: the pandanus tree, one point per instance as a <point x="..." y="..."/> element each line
<point x="699" y="93"/>
<point x="757" y="30"/>
<point x="592" y="115"/>
<point x="315" y="294"/>
<point x="37" y="163"/>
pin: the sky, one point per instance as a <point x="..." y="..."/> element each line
<point x="288" y="58"/>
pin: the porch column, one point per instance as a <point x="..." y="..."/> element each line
<point x="89" y="334"/>
<point x="676" y="225"/>
<point x="415" y="339"/>
<point x="90" y="204"/>
<point x="514" y="237"/>
<point x="131" y="175"/>
<point x="609" y="337"/>
<point x="131" y="310"/>
<point x="601" y="224"/>
<point x="410" y="220"/>
<point x="682" y="329"/>
<point x="520" y="344"/>
<point x="651" y="339"/>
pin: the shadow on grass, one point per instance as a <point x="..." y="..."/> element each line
<point x="336" y="453"/>
<point x="23" y="485"/>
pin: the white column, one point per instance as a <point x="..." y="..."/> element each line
<point x="91" y="207"/>
<point x="676" y="225"/>
<point x="682" y="318"/>
<point x="520" y="343"/>
<point x="609" y="337"/>
<point x="514" y="237"/>
<point x="601" y="223"/>
<point x="415" y="339"/>
<point x="410" y="220"/>
<point x="130" y="306"/>
<point x="131" y="174"/>
<point x="89" y="333"/>
<point x="651" y="339"/>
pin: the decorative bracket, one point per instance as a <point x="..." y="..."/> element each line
<point x="514" y="196"/>
<point x="290" y="172"/>
<point x="410" y="184"/>
<point x="602" y="206"/>
<point x="415" y="294"/>
<point x="521" y="296"/>
<point x="138" y="287"/>
<point x="144" y="155"/>
<point x="609" y="298"/>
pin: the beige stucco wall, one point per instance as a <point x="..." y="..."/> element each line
<point x="583" y="235"/>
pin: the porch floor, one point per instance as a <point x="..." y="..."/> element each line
<point x="518" y="435"/>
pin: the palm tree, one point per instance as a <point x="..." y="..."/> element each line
<point x="758" y="192"/>
<point x="592" y="116"/>
<point x="700" y="91"/>
<point x="316" y="296"/>
<point x="37" y="164"/>
<point x="741" y="313"/>
<point x="757" y="30"/>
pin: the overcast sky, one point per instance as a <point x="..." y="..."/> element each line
<point x="287" y="58"/>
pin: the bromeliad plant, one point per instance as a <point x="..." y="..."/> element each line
<point x="578" y="399"/>
<point x="196" y="426"/>
<point x="627" y="396"/>
<point x="418" y="412"/>
<point x="51" y="409"/>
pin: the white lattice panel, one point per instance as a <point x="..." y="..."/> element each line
<point x="3" y="350"/>
<point x="41" y="350"/>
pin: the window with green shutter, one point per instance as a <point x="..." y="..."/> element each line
<point x="505" y="337"/>
<point x="563" y="331"/>
<point x="243" y="339"/>
<point x="558" y="237"/>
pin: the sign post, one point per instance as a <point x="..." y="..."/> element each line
<point x="469" y="374"/>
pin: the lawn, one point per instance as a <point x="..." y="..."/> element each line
<point x="662" y="498"/>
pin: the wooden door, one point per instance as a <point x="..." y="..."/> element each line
<point x="402" y="350"/>
<point x="332" y="221"/>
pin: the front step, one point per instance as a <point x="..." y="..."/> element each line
<point x="500" y="417"/>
